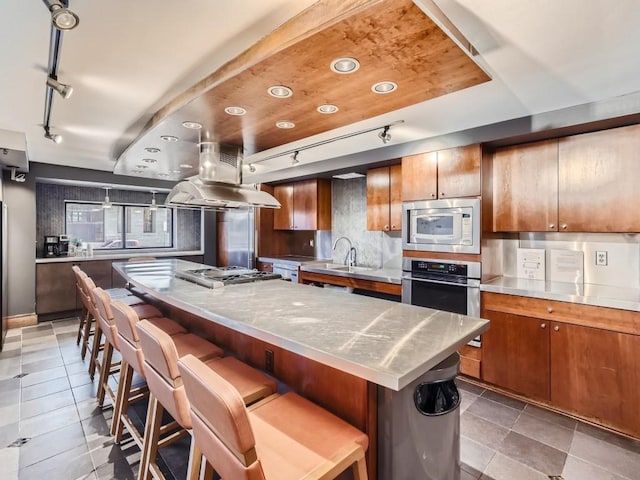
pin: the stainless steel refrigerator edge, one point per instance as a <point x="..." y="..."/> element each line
<point x="3" y="267"/>
<point x="239" y="237"/>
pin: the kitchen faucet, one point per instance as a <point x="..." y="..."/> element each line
<point x="351" y="253"/>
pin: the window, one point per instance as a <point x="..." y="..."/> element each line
<point x="121" y="226"/>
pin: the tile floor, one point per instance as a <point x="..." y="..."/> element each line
<point x="48" y="402"/>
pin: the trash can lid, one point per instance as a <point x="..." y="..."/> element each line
<point x="445" y="370"/>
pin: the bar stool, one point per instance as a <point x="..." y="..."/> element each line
<point x="85" y="312"/>
<point x="280" y="438"/>
<point x="142" y="309"/>
<point x="125" y="319"/>
<point x="166" y="391"/>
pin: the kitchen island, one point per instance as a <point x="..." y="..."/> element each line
<point x="334" y="348"/>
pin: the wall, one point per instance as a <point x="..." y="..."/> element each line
<point x="50" y="211"/>
<point x="623" y="251"/>
<point x="349" y="218"/>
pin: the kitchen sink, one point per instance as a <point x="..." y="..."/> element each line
<point x="345" y="268"/>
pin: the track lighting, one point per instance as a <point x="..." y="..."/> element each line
<point x="64" y="90"/>
<point x="294" y="158"/>
<point x="384" y="135"/>
<point x="107" y="203"/>
<point x="252" y="168"/>
<point x="61" y="17"/>
<point x="53" y="137"/>
<point x="154" y="206"/>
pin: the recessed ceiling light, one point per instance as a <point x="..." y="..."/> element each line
<point x="137" y="172"/>
<point x="149" y="160"/>
<point x="176" y="171"/>
<point x="280" y="91"/>
<point x="327" y="108"/>
<point x="163" y="175"/>
<point x="152" y="150"/>
<point x="235" y="110"/>
<point x="169" y="138"/>
<point x="185" y="166"/>
<point x="142" y="167"/>
<point x="348" y="176"/>
<point x="285" y="124"/>
<point x="384" y="87"/>
<point x="345" y="65"/>
<point x="192" y="125"/>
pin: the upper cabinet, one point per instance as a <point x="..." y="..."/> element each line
<point x="525" y="188"/>
<point x="450" y="173"/>
<point x="306" y="205"/>
<point x="384" y="202"/>
<point x="568" y="185"/>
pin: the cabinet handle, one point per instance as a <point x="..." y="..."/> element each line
<point x="442" y="194"/>
<point x="550" y="310"/>
<point x="543" y="325"/>
<point x="552" y="226"/>
<point x="386" y="227"/>
<point x="393" y="227"/>
<point x="564" y="226"/>
<point x="557" y="329"/>
<point x="433" y="195"/>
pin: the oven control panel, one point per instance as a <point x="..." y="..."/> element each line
<point x="421" y="266"/>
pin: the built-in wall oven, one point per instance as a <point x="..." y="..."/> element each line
<point x="451" y="286"/>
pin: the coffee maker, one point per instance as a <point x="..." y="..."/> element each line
<point x="63" y="245"/>
<point x="51" y="245"/>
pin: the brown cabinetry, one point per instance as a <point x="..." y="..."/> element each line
<point x="568" y="185"/>
<point x="450" y="173"/>
<point x="578" y="358"/>
<point x="384" y="202"/>
<point x="306" y="205"/>
<point x="55" y="288"/>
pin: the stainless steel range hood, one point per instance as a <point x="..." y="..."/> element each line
<point x="215" y="195"/>
<point x="218" y="185"/>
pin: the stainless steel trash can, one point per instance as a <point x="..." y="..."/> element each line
<point x="419" y="427"/>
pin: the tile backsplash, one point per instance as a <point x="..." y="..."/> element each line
<point x="349" y="219"/>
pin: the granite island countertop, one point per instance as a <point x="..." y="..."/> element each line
<point x="585" y="293"/>
<point x="118" y="256"/>
<point x="387" y="343"/>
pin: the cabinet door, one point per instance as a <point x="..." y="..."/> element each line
<point x="283" y="216"/>
<point x="305" y="205"/>
<point x="525" y="188"/>
<point x="99" y="271"/>
<point x="420" y="177"/>
<point x="598" y="181"/>
<point x="515" y="354"/>
<point x="55" y="288"/>
<point x="596" y="373"/>
<point x="395" y="197"/>
<point x="378" y="198"/>
<point x="459" y="172"/>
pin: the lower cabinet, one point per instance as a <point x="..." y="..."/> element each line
<point x="568" y="356"/>
<point x="55" y="288"/>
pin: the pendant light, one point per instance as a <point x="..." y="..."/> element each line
<point x="107" y="203"/>
<point x="154" y="206"/>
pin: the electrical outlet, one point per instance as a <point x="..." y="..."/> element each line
<point x="268" y="360"/>
<point x="311" y="242"/>
<point x="602" y="258"/>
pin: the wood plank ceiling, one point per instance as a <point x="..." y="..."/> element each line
<point x="393" y="41"/>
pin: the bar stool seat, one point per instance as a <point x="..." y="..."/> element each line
<point x="161" y="354"/>
<point x="280" y="438"/>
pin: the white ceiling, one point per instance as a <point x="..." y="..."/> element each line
<point x="127" y="59"/>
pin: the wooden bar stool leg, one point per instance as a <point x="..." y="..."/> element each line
<point x="195" y="461"/>
<point x="105" y="371"/>
<point x="122" y="400"/>
<point x="360" y="469"/>
<point x="86" y="335"/>
<point x="151" y="436"/>
<point x="95" y="350"/>
<point x="208" y="473"/>
<point x="83" y="319"/>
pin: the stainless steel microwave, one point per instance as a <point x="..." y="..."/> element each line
<point x="442" y="225"/>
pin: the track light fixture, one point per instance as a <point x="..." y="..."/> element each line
<point x="61" y="17"/>
<point x="53" y="137"/>
<point x="294" y="158"/>
<point x="384" y="135"/>
<point x="252" y="168"/>
<point x="64" y="90"/>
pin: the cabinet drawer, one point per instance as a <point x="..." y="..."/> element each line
<point x="624" y="321"/>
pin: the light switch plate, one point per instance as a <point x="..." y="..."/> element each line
<point x="531" y="263"/>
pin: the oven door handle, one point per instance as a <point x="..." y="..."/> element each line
<point x="471" y="283"/>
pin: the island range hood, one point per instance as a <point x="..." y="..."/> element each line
<point x="219" y="182"/>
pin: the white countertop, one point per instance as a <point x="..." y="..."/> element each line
<point x="586" y="293"/>
<point x="387" y="343"/>
<point x="291" y="260"/>
<point x="119" y="256"/>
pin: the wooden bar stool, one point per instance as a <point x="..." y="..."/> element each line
<point x="161" y="353"/>
<point x="85" y="312"/>
<point x="125" y="319"/>
<point x="280" y="438"/>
